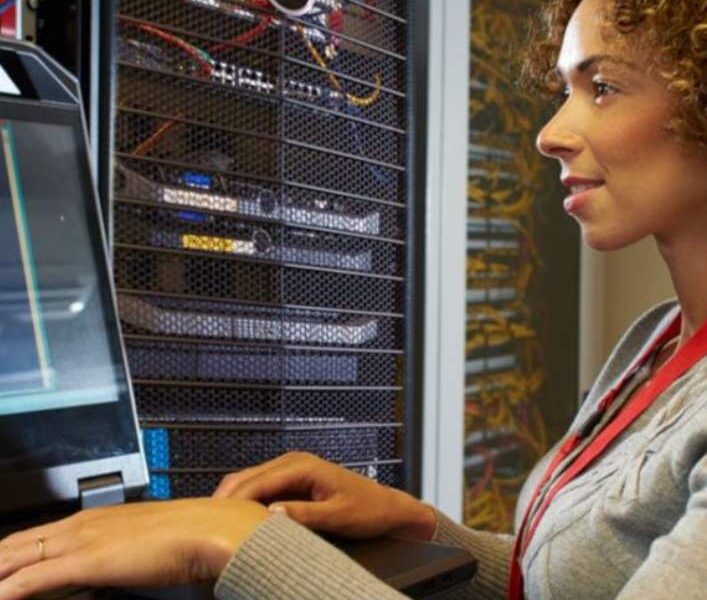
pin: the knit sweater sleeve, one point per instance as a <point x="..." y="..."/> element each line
<point x="492" y="550"/>
<point x="284" y="560"/>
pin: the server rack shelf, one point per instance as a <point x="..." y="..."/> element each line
<point x="261" y="228"/>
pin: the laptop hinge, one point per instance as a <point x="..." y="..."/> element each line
<point x="101" y="491"/>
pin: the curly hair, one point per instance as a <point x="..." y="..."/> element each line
<point x="676" y="31"/>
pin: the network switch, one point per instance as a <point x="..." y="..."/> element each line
<point x="188" y="323"/>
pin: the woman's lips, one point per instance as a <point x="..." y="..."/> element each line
<point x="580" y="196"/>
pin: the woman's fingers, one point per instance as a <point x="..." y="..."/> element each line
<point x="310" y="490"/>
<point x="17" y="556"/>
<point x="40" y="577"/>
<point x="317" y="494"/>
<point x="39" y="545"/>
<point x="279" y="480"/>
<point x="48" y="541"/>
<point x="320" y="516"/>
<point x="261" y="482"/>
<point x="153" y="544"/>
<point x="40" y="531"/>
<point x="69" y="524"/>
<point x="327" y="497"/>
<point x="232" y="481"/>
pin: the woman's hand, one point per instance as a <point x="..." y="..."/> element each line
<point x="329" y="498"/>
<point x="142" y="544"/>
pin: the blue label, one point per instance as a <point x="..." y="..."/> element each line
<point x="156" y="443"/>
<point x="197" y="180"/>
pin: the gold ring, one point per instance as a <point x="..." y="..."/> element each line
<point x="39" y="543"/>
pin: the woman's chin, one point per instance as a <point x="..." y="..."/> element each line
<point x="603" y="241"/>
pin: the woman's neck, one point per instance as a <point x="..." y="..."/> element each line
<point x="686" y="258"/>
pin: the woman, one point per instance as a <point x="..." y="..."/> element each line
<point x="623" y="509"/>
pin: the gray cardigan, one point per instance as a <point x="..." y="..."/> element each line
<point x="632" y="527"/>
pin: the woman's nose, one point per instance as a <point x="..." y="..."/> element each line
<point x="557" y="139"/>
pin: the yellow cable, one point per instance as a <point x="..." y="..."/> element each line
<point x="355" y="100"/>
<point x="154" y="138"/>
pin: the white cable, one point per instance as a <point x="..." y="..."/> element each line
<point x="293" y="7"/>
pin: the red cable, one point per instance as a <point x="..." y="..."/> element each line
<point x="336" y="21"/>
<point x="188" y="48"/>
<point x="247" y="36"/>
<point x="489" y="470"/>
<point x="370" y="15"/>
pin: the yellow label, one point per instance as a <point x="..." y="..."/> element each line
<point x="217" y="244"/>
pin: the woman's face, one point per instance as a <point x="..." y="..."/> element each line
<point x="628" y="175"/>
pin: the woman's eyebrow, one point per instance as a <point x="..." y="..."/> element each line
<point x="596" y="59"/>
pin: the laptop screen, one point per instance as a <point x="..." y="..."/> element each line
<point x="64" y="396"/>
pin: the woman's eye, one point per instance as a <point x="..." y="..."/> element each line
<point x="601" y="89"/>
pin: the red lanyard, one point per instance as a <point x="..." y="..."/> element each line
<point x="681" y="362"/>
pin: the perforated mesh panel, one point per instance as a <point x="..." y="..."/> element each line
<point x="181" y="483"/>
<point x="259" y="218"/>
<point x="166" y="403"/>
<point x="233" y="448"/>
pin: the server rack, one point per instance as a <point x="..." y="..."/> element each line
<point x="265" y="227"/>
<point x="522" y="277"/>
